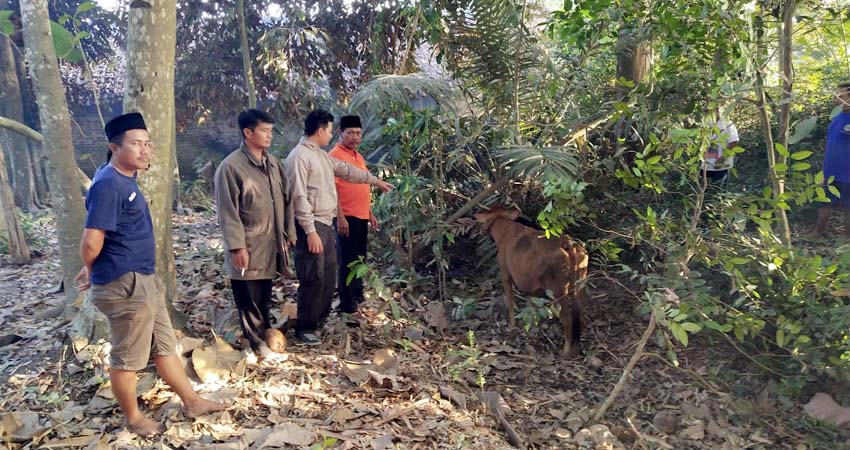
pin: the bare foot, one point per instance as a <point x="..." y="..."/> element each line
<point x="202" y="406"/>
<point x="144" y="427"/>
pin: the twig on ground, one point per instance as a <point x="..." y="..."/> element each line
<point x="644" y="437"/>
<point x="627" y="370"/>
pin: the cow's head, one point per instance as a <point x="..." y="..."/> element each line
<point x="486" y="218"/>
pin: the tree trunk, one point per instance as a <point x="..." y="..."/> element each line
<point x="786" y="71"/>
<point x="633" y="66"/>
<point x="42" y="188"/>
<point x="56" y="125"/>
<point x="149" y="89"/>
<point x="777" y="182"/>
<point x="18" y="249"/>
<point x="31" y="119"/>
<point x="246" y="55"/>
<point x="632" y="59"/>
<point x="11" y="106"/>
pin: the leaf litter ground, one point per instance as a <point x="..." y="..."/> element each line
<point x="412" y="383"/>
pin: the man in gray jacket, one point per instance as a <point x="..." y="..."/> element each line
<point x="310" y="171"/>
<point x="256" y="222"/>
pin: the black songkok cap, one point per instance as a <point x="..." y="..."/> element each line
<point x="124" y="122"/>
<point x="349" y="122"/>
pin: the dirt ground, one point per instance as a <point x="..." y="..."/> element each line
<point x="410" y="379"/>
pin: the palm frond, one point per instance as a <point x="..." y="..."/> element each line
<point x="539" y="162"/>
<point x="387" y="92"/>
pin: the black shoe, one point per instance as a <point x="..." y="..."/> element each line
<point x="307" y="338"/>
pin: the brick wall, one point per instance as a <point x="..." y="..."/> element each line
<point x="195" y="143"/>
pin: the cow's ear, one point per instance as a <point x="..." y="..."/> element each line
<point x="513" y="214"/>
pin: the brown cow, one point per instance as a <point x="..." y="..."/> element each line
<point x="535" y="264"/>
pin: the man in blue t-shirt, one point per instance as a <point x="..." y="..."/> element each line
<point x="837" y="163"/>
<point x="119" y="266"/>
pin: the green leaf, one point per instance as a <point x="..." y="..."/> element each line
<point x="801" y="155"/>
<point x="802" y="130"/>
<point x="63" y="41"/>
<point x="85" y="6"/>
<point x="679" y="333"/>
<point x="691" y="327"/>
<point x="780" y="337"/>
<point x="740" y="332"/>
<point x="6" y="25"/>
<point x="780" y="168"/>
<point x="834" y="190"/>
<point x="800" y="166"/>
<point x="782" y="150"/>
<point x="738" y="260"/>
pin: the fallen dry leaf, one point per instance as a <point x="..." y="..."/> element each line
<point x="286" y="433"/>
<point x="356" y="372"/>
<point x="217" y="361"/>
<point x="454" y="396"/>
<point x="386" y="361"/>
<point x="20" y="426"/>
<point x="436" y="317"/>
<point x="823" y="407"/>
<point x="383" y="442"/>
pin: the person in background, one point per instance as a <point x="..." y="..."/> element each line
<point x="311" y="172"/>
<point x="836" y="164"/>
<point x="257" y="224"/>
<point x="717" y="160"/>
<point x="354" y="215"/>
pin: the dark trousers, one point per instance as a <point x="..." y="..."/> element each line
<point x="350" y="249"/>
<point x="252" y="300"/>
<point x="316" y="277"/>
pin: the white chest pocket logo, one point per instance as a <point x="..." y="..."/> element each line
<point x="132" y="196"/>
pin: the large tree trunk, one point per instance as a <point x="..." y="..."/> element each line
<point x="246" y="55"/>
<point x="149" y="89"/>
<point x="18" y="249"/>
<point x="31" y="119"/>
<point x="632" y="58"/>
<point x="11" y="106"/>
<point x="56" y="125"/>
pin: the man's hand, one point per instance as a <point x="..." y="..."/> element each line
<point x="239" y="258"/>
<point x="373" y="221"/>
<point x="314" y="243"/>
<point x="383" y="186"/>
<point x="83" y="279"/>
<point x="342" y="226"/>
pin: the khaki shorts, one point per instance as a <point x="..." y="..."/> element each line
<point x="139" y="326"/>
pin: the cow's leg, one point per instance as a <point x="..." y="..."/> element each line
<point x="510" y="302"/>
<point x="571" y="323"/>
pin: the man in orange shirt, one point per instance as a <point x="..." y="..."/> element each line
<point x="354" y="214"/>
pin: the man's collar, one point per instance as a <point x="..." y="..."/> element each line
<point x="347" y="148"/>
<point x="247" y="152"/>
<point x="307" y="142"/>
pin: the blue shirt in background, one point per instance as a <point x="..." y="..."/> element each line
<point x="837" y="160"/>
<point x="116" y="205"/>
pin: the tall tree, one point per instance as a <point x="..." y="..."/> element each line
<point x="56" y="126"/>
<point x="11" y="106"/>
<point x="246" y="55"/>
<point x="149" y="89"/>
<point x="18" y="249"/>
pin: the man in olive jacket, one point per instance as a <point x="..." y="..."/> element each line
<point x="257" y="223"/>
